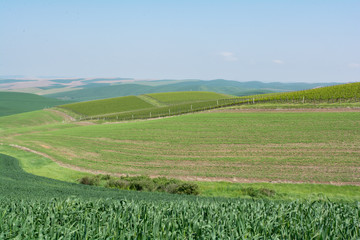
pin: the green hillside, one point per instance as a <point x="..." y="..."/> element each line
<point x="155" y="104"/>
<point x="16" y="102"/>
<point x="271" y="146"/>
<point x="176" y="103"/>
<point x="105" y="106"/>
<point x="349" y="92"/>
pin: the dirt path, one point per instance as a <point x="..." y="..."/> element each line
<point x="64" y="115"/>
<point x="184" y="178"/>
<point x="69" y="118"/>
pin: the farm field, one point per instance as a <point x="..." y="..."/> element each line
<point x="111" y="105"/>
<point x="177" y="103"/>
<point x="241" y="150"/>
<point x="144" y="104"/>
<point x="310" y="147"/>
<point x="349" y="92"/>
<point x="35" y="207"/>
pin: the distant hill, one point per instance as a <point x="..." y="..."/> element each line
<point x="218" y="86"/>
<point x="16" y="102"/>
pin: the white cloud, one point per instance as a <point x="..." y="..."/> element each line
<point x="228" y="56"/>
<point x="277" y="61"/>
<point x="354" y="65"/>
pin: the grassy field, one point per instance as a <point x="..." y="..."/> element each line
<point x="16" y="102"/>
<point x="34" y="207"/>
<point x="148" y="106"/>
<point x="105" y="106"/>
<point x="311" y="147"/>
<point x="298" y="147"/>
<point x="35" y="118"/>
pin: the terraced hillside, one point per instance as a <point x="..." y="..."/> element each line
<point x="16" y="102"/>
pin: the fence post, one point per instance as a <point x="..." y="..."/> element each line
<point x="303" y="99"/>
<point x="150" y="114"/>
<point x="253" y="100"/>
<point x="169" y="111"/>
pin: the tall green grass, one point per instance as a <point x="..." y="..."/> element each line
<point x="34" y="207"/>
<point x="179" y="219"/>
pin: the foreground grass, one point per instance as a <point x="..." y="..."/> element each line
<point x="30" y="211"/>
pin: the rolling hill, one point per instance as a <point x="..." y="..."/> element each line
<point x="137" y="105"/>
<point x="176" y="103"/>
<point x="16" y="102"/>
<point x="218" y="86"/>
<point x="300" y="147"/>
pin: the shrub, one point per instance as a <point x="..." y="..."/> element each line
<point x="105" y="177"/>
<point x="89" y="180"/>
<point x="267" y="192"/>
<point x="142" y="185"/>
<point x="262" y="192"/>
<point x="117" y="183"/>
<point x="186" y="188"/>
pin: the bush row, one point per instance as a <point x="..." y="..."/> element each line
<point x="143" y="183"/>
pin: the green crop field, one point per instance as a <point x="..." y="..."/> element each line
<point x="319" y="147"/>
<point x="183" y="97"/>
<point x="16" y="102"/>
<point x="344" y="92"/>
<point x="149" y="106"/>
<point x="105" y="106"/>
<point x="177" y="103"/>
<point x="30" y="211"/>
<point x="237" y="154"/>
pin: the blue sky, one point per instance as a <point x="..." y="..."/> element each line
<point x="286" y="41"/>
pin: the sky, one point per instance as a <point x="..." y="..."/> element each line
<point x="282" y="41"/>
